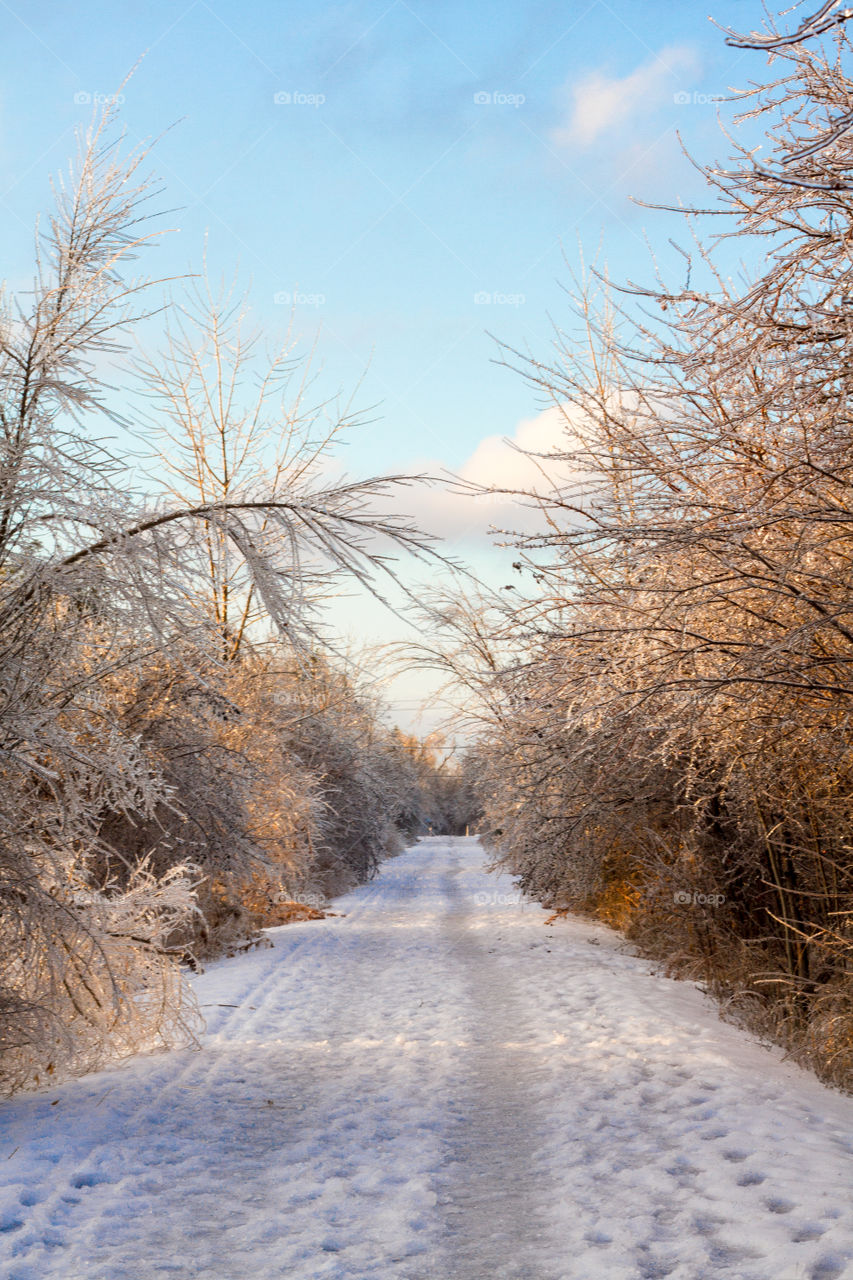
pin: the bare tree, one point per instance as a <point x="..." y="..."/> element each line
<point x="96" y="581"/>
<point x="681" y="724"/>
<point x="237" y="427"/>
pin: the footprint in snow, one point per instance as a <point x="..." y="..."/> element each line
<point x="727" y="1254"/>
<point x="808" y="1231"/>
<point x="654" y="1269"/>
<point x="827" y="1269"/>
<point x="92" y="1179"/>
<point x="779" y="1205"/>
<point x="707" y="1226"/>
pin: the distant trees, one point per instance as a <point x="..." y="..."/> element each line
<point x="239" y="434"/>
<point x="674" y="744"/>
<point x="441" y="796"/>
<point x="158" y="751"/>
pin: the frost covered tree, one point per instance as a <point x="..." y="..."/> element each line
<point x="679" y="724"/>
<point x="235" y="426"/>
<point x="99" y="583"/>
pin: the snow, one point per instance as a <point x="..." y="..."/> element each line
<point x="436" y="1085"/>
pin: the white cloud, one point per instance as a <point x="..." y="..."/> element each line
<point x="501" y="463"/>
<point x="600" y="103"/>
<point x="463" y="521"/>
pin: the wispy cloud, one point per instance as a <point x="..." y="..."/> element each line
<point x="600" y="104"/>
<point x="524" y="461"/>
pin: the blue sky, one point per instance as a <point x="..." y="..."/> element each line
<point x="416" y="174"/>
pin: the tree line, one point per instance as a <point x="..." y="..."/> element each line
<point x="665" y="698"/>
<point x="183" y="757"/>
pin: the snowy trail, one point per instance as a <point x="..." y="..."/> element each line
<point x="436" y="1086"/>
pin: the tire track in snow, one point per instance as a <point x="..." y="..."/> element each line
<point x="431" y="1089"/>
<point x="493" y="1180"/>
<point x="141" y="1158"/>
<point x="164" y="1083"/>
<point x="279" y="1191"/>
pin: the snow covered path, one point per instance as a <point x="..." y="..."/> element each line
<point x="436" y="1086"/>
